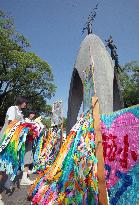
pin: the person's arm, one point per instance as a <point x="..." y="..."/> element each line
<point x="10" y="115"/>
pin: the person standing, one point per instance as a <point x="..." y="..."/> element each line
<point x="28" y="158"/>
<point x="31" y="115"/>
<point x="13" y="113"/>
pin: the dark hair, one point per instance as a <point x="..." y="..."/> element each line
<point x="20" y="100"/>
<point x="31" y="112"/>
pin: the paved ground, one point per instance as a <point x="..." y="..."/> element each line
<point x="19" y="196"/>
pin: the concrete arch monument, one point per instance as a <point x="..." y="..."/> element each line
<point x="105" y="77"/>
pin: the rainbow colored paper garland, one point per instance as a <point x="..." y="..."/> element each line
<point x="73" y="179"/>
<point x="45" y="155"/>
<point x="69" y="180"/>
<point x="121" y="153"/>
<point x="12" y="147"/>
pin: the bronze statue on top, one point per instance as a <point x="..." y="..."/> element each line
<point x="114" y="54"/>
<point x="89" y="23"/>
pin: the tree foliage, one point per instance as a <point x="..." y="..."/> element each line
<point x="22" y="72"/>
<point x="65" y="122"/>
<point x="130" y="83"/>
<point x="47" y="122"/>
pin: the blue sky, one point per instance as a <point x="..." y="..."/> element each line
<point x="53" y="27"/>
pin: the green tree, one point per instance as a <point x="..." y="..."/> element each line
<point x="47" y="122"/>
<point x="130" y="83"/>
<point x="21" y="71"/>
<point x="65" y="123"/>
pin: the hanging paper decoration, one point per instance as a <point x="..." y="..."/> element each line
<point x="37" y="150"/>
<point x="12" y="146"/>
<point x="72" y="178"/>
<point x="120" y="132"/>
<point x="47" y="152"/>
<point x="57" y="113"/>
<point x="88" y="88"/>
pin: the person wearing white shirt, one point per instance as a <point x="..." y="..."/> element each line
<point x="31" y="116"/>
<point x="13" y="113"/>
